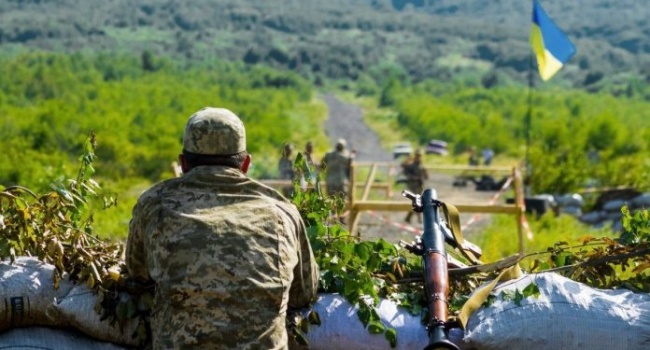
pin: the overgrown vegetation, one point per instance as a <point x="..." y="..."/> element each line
<point x="48" y="100"/>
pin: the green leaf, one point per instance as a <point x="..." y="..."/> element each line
<point x="300" y="337"/>
<point x="363" y="251"/>
<point x="314" y="318"/>
<point x="364" y="315"/>
<point x="385" y="248"/>
<point x="375" y="327"/>
<point x="518" y="297"/>
<point x="531" y="290"/>
<point x="303" y="324"/>
<point x="391" y="336"/>
<point x="350" y="287"/>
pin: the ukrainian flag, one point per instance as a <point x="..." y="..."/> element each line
<point x="551" y="47"/>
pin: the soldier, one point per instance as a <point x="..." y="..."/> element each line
<point x="308" y="177"/>
<point x="473" y="157"/>
<point x="415" y="175"/>
<point x="287" y="171"/>
<point x="228" y="255"/>
<point x="337" y="165"/>
<point x="309" y="155"/>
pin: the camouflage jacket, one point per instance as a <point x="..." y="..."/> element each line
<point x="415" y="175"/>
<point x="337" y="167"/>
<point x="228" y="256"/>
<point x="285" y="166"/>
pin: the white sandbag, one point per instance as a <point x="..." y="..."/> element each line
<point x="614" y="205"/>
<point x="77" y="310"/>
<point x="593" y="217"/>
<point x="571" y="210"/>
<point x="566" y="315"/>
<point x="641" y="201"/>
<point x="341" y="328"/>
<point x="570" y="200"/>
<point x="617" y="226"/>
<point x="31" y="338"/>
<point x="27" y="290"/>
<point x="613" y="215"/>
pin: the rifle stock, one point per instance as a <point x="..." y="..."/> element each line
<point x="436" y="274"/>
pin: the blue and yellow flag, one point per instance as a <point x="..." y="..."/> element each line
<point x="550" y="45"/>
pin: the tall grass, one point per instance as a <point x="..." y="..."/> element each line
<point x="500" y="238"/>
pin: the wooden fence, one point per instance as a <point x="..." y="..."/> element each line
<point x="358" y="204"/>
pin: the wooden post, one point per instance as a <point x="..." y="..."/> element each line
<point x="354" y="213"/>
<point x="351" y="190"/>
<point x="520" y="203"/>
<point x="369" y="182"/>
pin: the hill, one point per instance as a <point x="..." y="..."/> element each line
<point x="472" y="41"/>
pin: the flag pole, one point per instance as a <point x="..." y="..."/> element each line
<point x="528" y="125"/>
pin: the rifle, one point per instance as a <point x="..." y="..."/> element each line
<point x="436" y="274"/>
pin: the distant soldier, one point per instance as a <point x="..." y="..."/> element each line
<point x="337" y="165"/>
<point x="308" y="178"/>
<point x="415" y="175"/>
<point x="473" y="157"/>
<point x="287" y="171"/>
<point x="488" y="154"/>
<point x="309" y="155"/>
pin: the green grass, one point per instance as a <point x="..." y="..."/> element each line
<point x="500" y="238"/>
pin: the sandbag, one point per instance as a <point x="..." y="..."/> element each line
<point x="77" y="310"/>
<point x="27" y="290"/>
<point x="641" y="201"/>
<point x="341" y="328"/>
<point x="570" y="200"/>
<point x="45" y="338"/>
<point x="565" y="315"/>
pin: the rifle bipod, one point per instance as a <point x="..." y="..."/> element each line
<point x="431" y="247"/>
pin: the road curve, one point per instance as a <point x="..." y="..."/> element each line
<point x="346" y="121"/>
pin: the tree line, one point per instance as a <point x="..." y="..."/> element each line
<point x="345" y="39"/>
<point x="50" y="102"/>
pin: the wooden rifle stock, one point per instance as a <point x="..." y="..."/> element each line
<point x="436" y="274"/>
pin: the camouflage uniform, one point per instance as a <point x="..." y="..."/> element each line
<point x="337" y="165"/>
<point x="416" y="175"/>
<point x="285" y="166"/>
<point x="228" y="256"/>
<point x="287" y="172"/>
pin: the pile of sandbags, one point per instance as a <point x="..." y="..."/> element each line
<point x="565" y="315"/>
<point x="341" y="328"/>
<point x="47" y="338"/>
<point x="609" y="212"/>
<point x="31" y="300"/>
<point x="27" y="291"/>
<point x="570" y="204"/>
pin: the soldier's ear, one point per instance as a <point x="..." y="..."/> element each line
<point x="246" y="163"/>
<point x="183" y="161"/>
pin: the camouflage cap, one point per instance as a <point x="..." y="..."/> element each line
<point x="214" y="131"/>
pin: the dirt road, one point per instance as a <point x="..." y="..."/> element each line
<point x="346" y="121"/>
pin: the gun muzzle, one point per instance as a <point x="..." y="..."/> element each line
<point x="438" y="340"/>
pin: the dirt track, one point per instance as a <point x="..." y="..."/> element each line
<point x="346" y="121"/>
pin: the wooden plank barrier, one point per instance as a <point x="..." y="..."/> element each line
<point x="517" y="209"/>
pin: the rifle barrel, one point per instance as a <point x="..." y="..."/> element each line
<point x="436" y="274"/>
